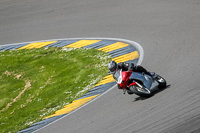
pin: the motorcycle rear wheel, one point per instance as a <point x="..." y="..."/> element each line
<point x="135" y="91"/>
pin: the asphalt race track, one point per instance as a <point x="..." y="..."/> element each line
<point x="168" y="31"/>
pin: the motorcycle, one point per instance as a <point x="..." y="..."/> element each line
<point x="139" y="83"/>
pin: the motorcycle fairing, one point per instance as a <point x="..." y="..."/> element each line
<point x="145" y="79"/>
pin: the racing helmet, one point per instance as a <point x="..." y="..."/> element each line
<point x="112" y="66"/>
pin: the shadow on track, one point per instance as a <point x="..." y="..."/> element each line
<point x="157" y="91"/>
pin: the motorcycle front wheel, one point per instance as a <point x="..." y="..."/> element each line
<point x="162" y="82"/>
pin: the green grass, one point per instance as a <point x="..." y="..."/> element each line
<point x="35" y="83"/>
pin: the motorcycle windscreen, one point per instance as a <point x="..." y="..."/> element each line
<point x="117" y="75"/>
<point x="145" y="79"/>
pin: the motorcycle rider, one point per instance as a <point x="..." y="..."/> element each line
<point x="114" y="67"/>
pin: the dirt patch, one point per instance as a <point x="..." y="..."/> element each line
<point x="28" y="84"/>
<point x="18" y="76"/>
<point x="48" y="81"/>
<point x="8" y="73"/>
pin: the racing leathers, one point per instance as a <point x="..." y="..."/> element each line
<point x="130" y="66"/>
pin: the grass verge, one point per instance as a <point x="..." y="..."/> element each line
<point x="35" y="83"/>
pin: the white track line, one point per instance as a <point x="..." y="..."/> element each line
<point x="135" y="44"/>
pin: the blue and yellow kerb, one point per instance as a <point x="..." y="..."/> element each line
<point x="121" y="51"/>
